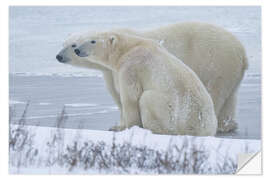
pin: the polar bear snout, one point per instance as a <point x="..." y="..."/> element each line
<point x="61" y="58"/>
<point x="80" y="52"/>
<point x="77" y="51"/>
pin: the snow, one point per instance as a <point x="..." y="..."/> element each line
<point x="219" y="149"/>
<point x="12" y="102"/>
<point x="81" y="105"/>
<point x="44" y="103"/>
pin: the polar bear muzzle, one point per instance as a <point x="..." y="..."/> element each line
<point x="61" y="57"/>
<point x="80" y="52"/>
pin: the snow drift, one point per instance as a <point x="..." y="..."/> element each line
<point x="44" y="150"/>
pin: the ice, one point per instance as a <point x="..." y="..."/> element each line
<point x="44" y="104"/>
<point x="81" y="105"/>
<point x="37" y="33"/>
<point x="12" y="102"/>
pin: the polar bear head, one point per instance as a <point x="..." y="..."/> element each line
<point x="100" y="48"/>
<point x="107" y="48"/>
<point x="67" y="55"/>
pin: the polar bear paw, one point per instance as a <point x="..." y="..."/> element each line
<point x="227" y="125"/>
<point x="117" y="128"/>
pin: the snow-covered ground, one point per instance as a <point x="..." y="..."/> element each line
<point x="43" y="150"/>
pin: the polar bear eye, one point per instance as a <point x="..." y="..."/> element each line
<point x="93" y="42"/>
<point x="73" y="45"/>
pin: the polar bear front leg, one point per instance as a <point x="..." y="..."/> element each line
<point x="131" y="115"/>
<point x="130" y="92"/>
<point x="109" y="81"/>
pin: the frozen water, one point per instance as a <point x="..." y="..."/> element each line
<point x="37" y="33"/>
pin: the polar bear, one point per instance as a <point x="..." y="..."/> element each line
<point x="67" y="56"/>
<point x="214" y="54"/>
<point x="157" y="90"/>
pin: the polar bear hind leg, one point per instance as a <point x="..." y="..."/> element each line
<point x="156" y="114"/>
<point x="224" y="108"/>
<point x="226" y="117"/>
<point x="155" y="111"/>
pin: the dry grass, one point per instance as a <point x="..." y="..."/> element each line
<point x="112" y="158"/>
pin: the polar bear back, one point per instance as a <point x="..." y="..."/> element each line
<point x="158" y="72"/>
<point x="213" y="53"/>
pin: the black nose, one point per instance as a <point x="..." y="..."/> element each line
<point x="59" y="58"/>
<point x="77" y="51"/>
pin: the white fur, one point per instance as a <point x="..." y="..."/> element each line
<point x="214" y="54"/>
<point x="157" y="91"/>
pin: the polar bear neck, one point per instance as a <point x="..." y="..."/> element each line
<point x="125" y="45"/>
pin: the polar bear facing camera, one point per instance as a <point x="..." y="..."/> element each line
<point x="157" y="90"/>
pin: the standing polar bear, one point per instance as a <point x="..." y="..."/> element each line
<point x="157" y="91"/>
<point x="214" y="54"/>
